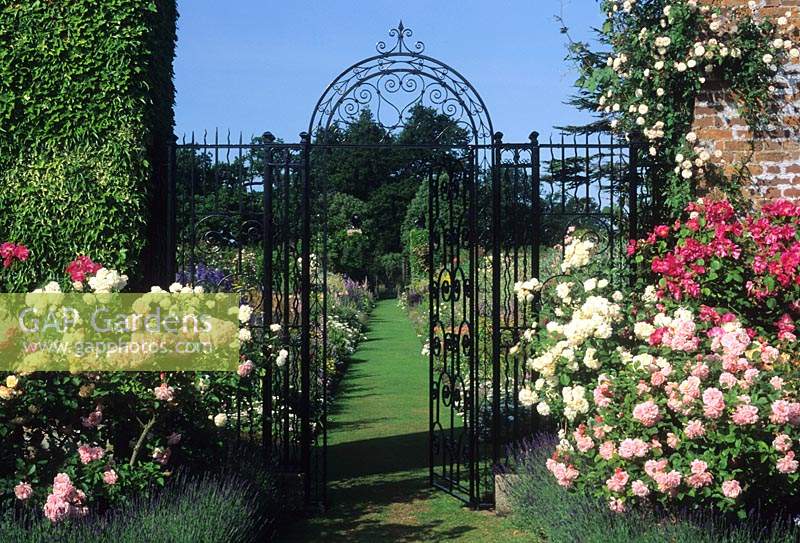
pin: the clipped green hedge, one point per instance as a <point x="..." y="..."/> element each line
<point x="86" y="99"/>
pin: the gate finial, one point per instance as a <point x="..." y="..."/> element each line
<point x="400" y="33"/>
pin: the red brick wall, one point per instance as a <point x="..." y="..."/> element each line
<point x="774" y="159"/>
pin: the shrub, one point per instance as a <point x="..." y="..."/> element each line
<point x="209" y="508"/>
<point x="684" y="393"/>
<point x="81" y="442"/>
<point x="75" y="172"/>
<point x="545" y="508"/>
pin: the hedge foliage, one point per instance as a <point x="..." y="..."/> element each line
<point x="86" y="99"/>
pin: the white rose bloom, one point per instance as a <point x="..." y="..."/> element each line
<point x="280" y="360"/>
<point x="590" y="284"/>
<point x="539" y="384"/>
<point x="617" y="296"/>
<point x="528" y="397"/>
<point x="274" y="327"/>
<point x="543" y="409"/>
<point x="643" y="330"/>
<point x="699" y="51"/>
<point x="245" y="335"/>
<point x="767" y="58"/>
<point x="562" y="290"/>
<point x="221" y="420"/>
<point x="245" y="312"/>
<point x="175" y="288"/>
<point x="659" y="65"/>
<point x="590" y="360"/>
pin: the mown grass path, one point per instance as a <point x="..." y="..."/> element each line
<point x="378" y="453"/>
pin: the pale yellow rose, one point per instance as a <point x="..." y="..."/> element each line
<point x="12" y="381"/>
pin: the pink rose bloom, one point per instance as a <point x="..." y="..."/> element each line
<point x="699" y="480"/>
<point x="782" y="443"/>
<point x="787" y="464"/>
<point x="174" y="438"/>
<point x="769" y="354"/>
<point x="727" y="380"/>
<point x="776" y="382"/>
<point x="56" y="508"/>
<point x="657" y="379"/>
<point x="607" y="450"/>
<point x="668" y="482"/>
<point x="750" y="375"/>
<point x="583" y="442"/>
<point x="698" y="466"/>
<point x="602" y="394"/>
<point x="90" y="454"/>
<point x="647" y="413"/>
<point x="161" y="456"/>
<point x="62" y="486"/>
<point x="731" y="489"/>
<point x="781" y="412"/>
<point x="616" y="505"/>
<point x="690" y="387"/>
<point x="640" y="489"/>
<point x="673" y="441"/>
<point x="565" y="475"/>
<point x="94" y="418"/>
<point x="654" y="467"/>
<point x="700" y="371"/>
<point x="630" y="448"/>
<point x="642" y="388"/>
<point x="110" y="477"/>
<point x="618" y="481"/>
<point x="23" y="491"/>
<point x="713" y="403"/>
<point x="164" y="392"/>
<point x="245" y="368"/>
<point x="694" y="429"/>
<point x="745" y="414"/>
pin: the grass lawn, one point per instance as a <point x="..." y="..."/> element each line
<point x="378" y="446"/>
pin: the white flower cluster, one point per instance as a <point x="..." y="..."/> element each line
<point x="526" y="290"/>
<point x="106" y="280"/>
<point x="577" y="255"/>
<point x="702" y="57"/>
<point x="575" y="401"/>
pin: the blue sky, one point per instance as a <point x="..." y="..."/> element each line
<point x="256" y="65"/>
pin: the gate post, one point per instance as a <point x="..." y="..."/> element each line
<point x="536" y="220"/>
<point x="171" y="256"/>
<point x="497" y="143"/>
<point x="633" y="188"/>
<point x="266" y="303"/>
<point x="305" y="320"/>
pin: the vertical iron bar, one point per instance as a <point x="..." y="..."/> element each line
<point x="633" y="194"/>
<point x="266" y="303"/>
<point x="171" y="258"/>
<point x="536" y="220"/>
<point x="305" y="320"/>
<point x="496" y="241"/>
<point x="323" y="181"/>
<point x="432" y="292"/>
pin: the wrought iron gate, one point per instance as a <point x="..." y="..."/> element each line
<point x="493" y="208"/>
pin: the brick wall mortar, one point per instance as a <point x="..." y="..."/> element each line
<point x="773" y="159"/>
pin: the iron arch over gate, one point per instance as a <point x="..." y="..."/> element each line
<point x="495" y="213"/>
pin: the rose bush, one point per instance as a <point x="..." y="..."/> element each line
<point x="684" y="392"/>
<point x="75" y="442"/>
<point x="659" y="56"/>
